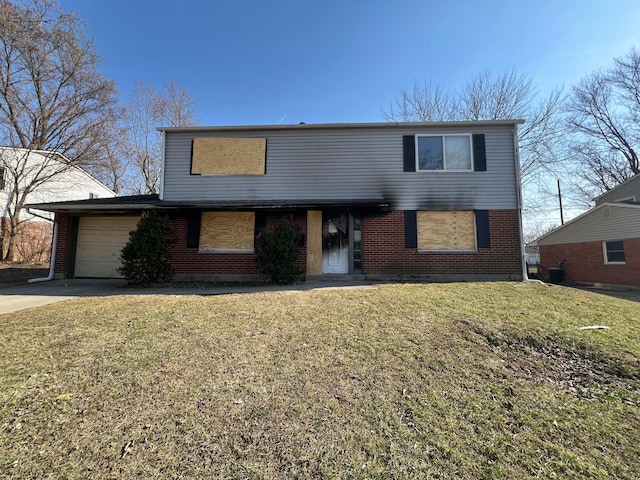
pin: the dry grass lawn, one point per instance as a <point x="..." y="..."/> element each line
<point x="399" y="381"/>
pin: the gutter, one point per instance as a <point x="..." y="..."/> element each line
<point x="525" y="273"/>
<point x="52" y="262"/>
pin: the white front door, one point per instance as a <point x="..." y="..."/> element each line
<point x="335" y="243"/>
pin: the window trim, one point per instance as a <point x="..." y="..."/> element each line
<point x="630" y="198"/>
<point x="605" y="253"/>
<point x="444" y="152"/>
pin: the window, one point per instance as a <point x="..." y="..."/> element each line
<point x="92" y="195"/>
<point x="446" y="230"/>
<point x="229" y="156"/>
<point x="2" y="180"/>
<point x="444" y="152"/>
<point x="227" y="232"/>
<point x="613" y="251"/>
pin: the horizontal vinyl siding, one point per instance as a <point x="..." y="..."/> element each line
<point x="625" y="190"/>
<point x="592" y="227"/>
<point x="350" y="164"/>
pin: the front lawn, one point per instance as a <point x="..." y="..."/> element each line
<point x="395" y="381"/>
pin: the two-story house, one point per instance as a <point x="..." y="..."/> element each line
<point x="601" y="246"/>
<point x="36" y="176"/>
<point x="437" y="201"/>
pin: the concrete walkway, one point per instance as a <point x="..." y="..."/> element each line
<point x="30" y="295"/>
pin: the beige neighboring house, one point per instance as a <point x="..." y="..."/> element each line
<point x="33" y="241"/>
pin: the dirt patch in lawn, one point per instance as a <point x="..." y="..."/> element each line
<point x="576" y="370"/>
<point x="15" y="273"/>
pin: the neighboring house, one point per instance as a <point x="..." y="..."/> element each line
<point x="33" y="239"/>
<point x="601" y="246"/>
<point x="437" y="201"/>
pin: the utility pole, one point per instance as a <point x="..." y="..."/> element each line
<point x="560" y="200"/>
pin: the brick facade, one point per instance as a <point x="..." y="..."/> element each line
<point x="584" y="262"/>
<point x="64" y="224"/>
<point x="383" y="250"/>
<point x="188" y="261"/>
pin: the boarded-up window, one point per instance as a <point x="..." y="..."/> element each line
<point x="446" y="230"/>
<point x="229" y="156"/>
<point x="227" y="231"/>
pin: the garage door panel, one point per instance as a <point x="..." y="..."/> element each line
<point x="100" y="241"/>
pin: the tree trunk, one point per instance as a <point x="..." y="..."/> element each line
<point x="12" y="232"/>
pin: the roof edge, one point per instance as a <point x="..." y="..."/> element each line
<point x="635" y="177"/>
<point x="330" y="126"/>
<point x="588" y="212"/>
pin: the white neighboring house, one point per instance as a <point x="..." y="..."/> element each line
<point x="66" y="182"/>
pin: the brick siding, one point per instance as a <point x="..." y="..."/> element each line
<point x="384" y="252"/>
<point x="584" y="262"/>
<point x="64" y="223"/>
<point x="191" y="261"/>
<point x="383" y="243"/>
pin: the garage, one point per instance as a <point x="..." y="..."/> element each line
<point x="100" y="241"/>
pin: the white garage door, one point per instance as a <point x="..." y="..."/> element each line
<point x="100" y="240"/>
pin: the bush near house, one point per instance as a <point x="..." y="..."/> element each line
<point x="146" y="258"/>
<point x="277" y="252"/>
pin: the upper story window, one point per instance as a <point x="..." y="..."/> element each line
<point x="2" y="179"/>
<point x="229" y="156"/>
<point x="92" y="195"/>
<point x="444" y="152"/>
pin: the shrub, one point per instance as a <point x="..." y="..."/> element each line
<point x="146" y="258"/>
<point x="277" y="252"/>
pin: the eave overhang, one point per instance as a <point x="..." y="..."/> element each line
<point x="151" y="202"/>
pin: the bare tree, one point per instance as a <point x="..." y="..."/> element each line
<point x="488" y="97"/>
<point x="147" y="109"/>
<point x="604" y="114"/>
<point x="52" y="97"/>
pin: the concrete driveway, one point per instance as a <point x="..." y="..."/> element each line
<point x="30" y="295"/>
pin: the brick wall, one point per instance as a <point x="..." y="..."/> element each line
<point x="190" y="261"/>
<point x="384" y="251"/>
<point x="64" y="221"/>
<point x="584" y="262"/>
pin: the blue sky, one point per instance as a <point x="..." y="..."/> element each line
<point x="267" y="62"/>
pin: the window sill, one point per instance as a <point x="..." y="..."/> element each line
<point x="445" y="171"/>
<point x="447" y="251"/>
<point x="226" y="250"/>
<point x="615" y="263"/>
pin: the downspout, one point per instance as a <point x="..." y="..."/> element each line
<point x="525" y="274"/>
<point x="52" y="262"/>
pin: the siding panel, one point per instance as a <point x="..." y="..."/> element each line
<point x="628" y="189"/>
<point x="353" y="164"/>
<point x="619" y="223"/>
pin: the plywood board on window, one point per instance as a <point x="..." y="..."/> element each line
<point x="227" y="231"/>
<point x="229" y="156"/>
<point x="446" y="230"/>
<point x="314" y="242"/>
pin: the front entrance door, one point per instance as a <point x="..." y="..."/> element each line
<point x="335" y="242"/>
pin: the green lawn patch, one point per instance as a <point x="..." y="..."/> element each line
<point x="399" y="381"/>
